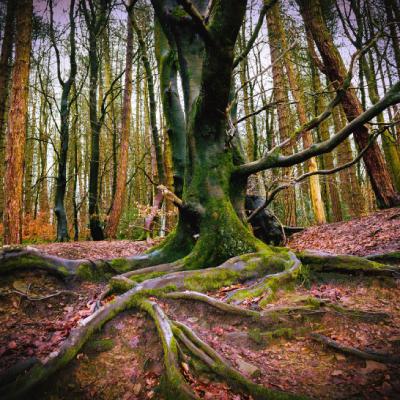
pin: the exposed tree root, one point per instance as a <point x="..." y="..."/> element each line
<point x="389" y="258"/>
<point x="314" y="305"/>
<point x="176" y="385"/>
<point x="170" y="331"/>
<point x="20" y="258"/>
<point x="366" y="355"/>
<point x="367" y="316"/>
<point x="325" y="262"/>
<point x="269" y="283"/>
<point x="236" y="269"/>
<point x="220" y="305"/>
<point x="221" y="367"/>
<point x="274" y="267"/>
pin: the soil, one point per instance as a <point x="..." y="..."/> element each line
<point x="125" y="361"/>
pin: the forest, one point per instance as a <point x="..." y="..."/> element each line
<point x="199" y="199"/>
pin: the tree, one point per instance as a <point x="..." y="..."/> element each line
<point x="65" y="107"/>
<point x="119" y="196"/>
<point x="295" y="82"/>
<point x="95" y="14"/>
<point x="16" y="127"/>
<point x="5" y="72"/>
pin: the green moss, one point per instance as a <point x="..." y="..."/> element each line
<point x="30" y="261"/>
<point x="144" y="277"/>
<point x="312" y="301"/>
<point x="99" y="345"/>
<point x="120" y="285"/>
<point x="339" y="262"/>
<point x="214" y="279"/>
<point x="260" y="337"/>
<point x="179" y="12"/>
<point x="95" y="273"/>
<point x="120" y="265"/>
<point x="256" y="336"/>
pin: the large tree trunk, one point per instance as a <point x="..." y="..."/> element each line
<point x="16" y="134"/>
<point x="385" y="193"/>
<point x="5" y="72"/>
<point x="119" y="196"/>
<point x="209" y="229"/>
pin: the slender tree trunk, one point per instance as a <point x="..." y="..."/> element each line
<point x="119" y="197"/>
<point x="28" y="170"/>
<point x="43" y="145"/>
<point x="328" y="157"/>
<point x="157" y="202"/>
<point x="350" y="189"/>
<point x="388" y="142"/>
<point x="377" y="171"/>
<point x="95" y="21"/>
<point x="393" y="33"/>
<point x="16" y="133"/>
<point x="246" y="99"/>
<point x="65" y="107"/>
<point x="282" y="100"/>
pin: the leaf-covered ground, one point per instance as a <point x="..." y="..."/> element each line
<point x="124" y="360"/>
<point x="373" y="234"/>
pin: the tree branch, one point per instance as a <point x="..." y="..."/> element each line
<point x="267" y="5"/>
<point x="271" y="196"/>
<point x="198" y="19"/>
<point x="274" y="160"/>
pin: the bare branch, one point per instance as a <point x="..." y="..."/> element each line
<point x="271" y="196"/>
<point x="273" y="159"/>
<point x="267" y="5"/>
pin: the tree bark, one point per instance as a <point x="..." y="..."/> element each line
<point x="95" y="18"/>
<point x="16" y="134"/>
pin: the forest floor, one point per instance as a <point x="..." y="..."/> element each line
<point x="124" y="360"/>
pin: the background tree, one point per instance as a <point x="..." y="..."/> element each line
<point x="16" y="127"/>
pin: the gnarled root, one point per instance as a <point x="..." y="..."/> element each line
<point x="221" y="367"/>
<point x="172" y="332"/>
<point x="269" y="282"/>
<point x="220" y="305"/>
<point x="28" y="258"/>
<point x="366" y="355"/>
<point x="176" y="385"/>
<point x="325" y="262"/>
<point x="242" y="268"/>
